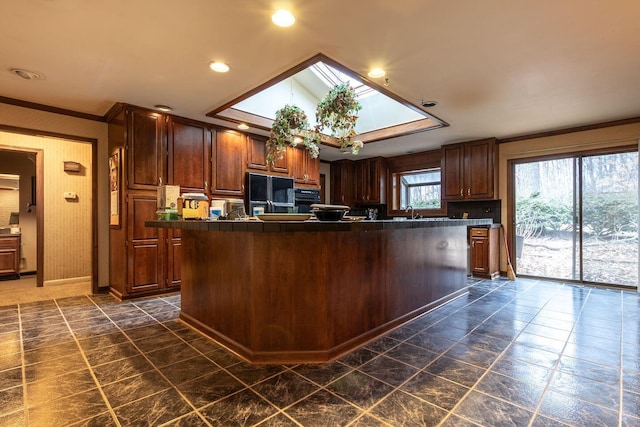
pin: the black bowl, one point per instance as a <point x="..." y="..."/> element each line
<point x="329" y="214"/>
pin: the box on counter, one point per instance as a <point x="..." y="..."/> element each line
<point x="168" y="196"/>
<point x="193" y="206"/>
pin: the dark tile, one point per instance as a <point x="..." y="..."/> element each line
<point x="170" y="355"/>
<point x="15" y="419"/>
<point x="435" y="390"/>
<point x="47" y="341"/>
<point x="522" y="371"/>
<point x="472" y="355"/>
<point x="358" y="357"/>
<point x="188" y="369"/>
<point x="324" y="406"/>
<point x="360" y="389"/>
<point x="118" y="351"/>
<point x="512" y="390"/>
<point x="485" y="342"/>
<point x="68" y="410"/>
<point x="447" y="330"/>
<point x="134" y="388"/>
<point x="285" y="389"/>
<point x="55" y="367"/>
<point x="630" y="421"/>
<point x="189" y="420"/>
<point x="631" y="380"/>
<point x="388" y="370"/>
<point x="279" y="420"/>
<point x="431" y="342"/>
<point x="417" y="357"/>
<point x="455" y="370"/>
<point x="103" y="420"/>
<point x="49" y="353"/>
<point x="611" y="344"/>
<point x="565" y="325"/>
<point x="402" y="333"/>
<point x="153" y="410"/>
<point x="56" y="387"/>
<point x="603" y="355"/>
<point x="546" y="359"/>
<point x="547" y="332"/>
<point x="323" y="374"/>
<point x="11" y="399"/>
<point x="240" y="409"/>
<point x="401" y="409"/>
<point x="368" y="421"/>
<point x="542" y="421"/>
<point x="575" y="412"/>
<point x="583" y="368"/>
<point x="486" y="410"/>
<point x="157" y="342"/>
<point x="631" y="363"/>
<point x="383" y="344"/>
<point x="251" y="374"/>
<point x="120" y="369"/>
<point x="107" y="328"/>
<point x="146" y="331"/>
<point x="455" y="421"/>
<point x="10" y="378"/>
<point x="631" y="403"/>
<point x="209" y="388"/>
<point x="540" y="342"/>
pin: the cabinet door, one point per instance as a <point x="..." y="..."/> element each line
<point x="145" y="149"/>
<point x="342" y="182"/>
<point x="452" y="172"/>
<point x="228" y="164"/>
<point x="479" y="169"/>
<point x="257" y="156"/>
<point x="189" y="155"/>
<point x="480" y="255"/>
<point x="361" y="172"/>
<point x="9" y="255"/>
<point x="145" y="245"/>
<point x="376" y="177"/>
<point x="312" y="168"/>
<point x="174" y="248"/>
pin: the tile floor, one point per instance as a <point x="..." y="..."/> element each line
<point x="521" y="353"/>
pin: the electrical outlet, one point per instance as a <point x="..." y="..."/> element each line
<point x="70" y="195"/>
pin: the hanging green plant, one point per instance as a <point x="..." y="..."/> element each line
<point x="290" y="127"/>
<point x="337" y="113"/>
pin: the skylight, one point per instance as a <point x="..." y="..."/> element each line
<point x="384" y="115"/>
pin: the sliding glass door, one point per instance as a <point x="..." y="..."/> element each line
<point x="576" y="218"/>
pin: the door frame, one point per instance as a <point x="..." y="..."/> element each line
<point x="40" y="196"/>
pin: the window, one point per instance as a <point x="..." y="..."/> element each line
<point x="421" y="189"/>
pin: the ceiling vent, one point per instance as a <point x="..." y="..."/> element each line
<point x="27" y="75"/>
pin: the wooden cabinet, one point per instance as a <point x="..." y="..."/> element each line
<point x="257" y="156"/>
<point x="342" y="182"/>
<point x="304" y="169"/>
<point x="468" y="170"/>
<point x="371" y="181"/>
<point x="145" y="149"/>
<point x="10" y="255"/>
<point x="189" y="155"/>
<point x="228" y="164"/>
<point x="484" y="254"/>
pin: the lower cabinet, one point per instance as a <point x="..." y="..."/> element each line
<point x="485" y="246"/>
<point x="150" y="261"/>
<point x="10" y="255"/>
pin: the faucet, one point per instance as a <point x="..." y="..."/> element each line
<point x="414" y="215"/>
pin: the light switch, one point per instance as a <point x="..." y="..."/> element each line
<point x="70" y="195"/>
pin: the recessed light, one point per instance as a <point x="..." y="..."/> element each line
<point x="243" y="126"/>
<point x="428" y="104"/>
<point x="164" y="108"/>
<point x="27" y="75"/>
<point x="376" y="73"/>
<point x="283" y="18"/>
<point x="219" y="67"/>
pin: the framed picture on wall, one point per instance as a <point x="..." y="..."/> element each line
<point x="114" y="188"/>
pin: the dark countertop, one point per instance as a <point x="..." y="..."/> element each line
<point x="291" y="226"/>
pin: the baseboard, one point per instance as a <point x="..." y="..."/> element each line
<point x="67" y="281"/>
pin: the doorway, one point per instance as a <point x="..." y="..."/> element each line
<point x="576" y="217"/>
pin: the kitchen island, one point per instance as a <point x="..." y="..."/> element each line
<point x="310" y="291"/>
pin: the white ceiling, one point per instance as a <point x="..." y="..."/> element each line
<point x="499" y="68"/>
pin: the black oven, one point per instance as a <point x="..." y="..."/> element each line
<point x="305" y="197"/>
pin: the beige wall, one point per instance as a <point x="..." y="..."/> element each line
<point x="615" y="136"/>
<point x="67" y="237"/>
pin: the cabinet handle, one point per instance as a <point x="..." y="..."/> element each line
<point x="468" y="192"/>
<point x="473" y="243"/>
<point x="159" y="180"/>
<point x="461" y="192"/>
<point x="205" y="186"/>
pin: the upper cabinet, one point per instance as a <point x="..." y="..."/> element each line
<point x="145" y="148"/>
<point x="189" y="159"/>
<point x="468" y="170"/>
<point x="304" y="169"/>
<point x="371" y="181"/>
<point x="342" y="185"/>
<point x="257" y="156"/>
<point x="228" y="164"/>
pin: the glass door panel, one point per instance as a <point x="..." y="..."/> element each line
<point x="547" y="243"/>
<point x="610" y="218"/>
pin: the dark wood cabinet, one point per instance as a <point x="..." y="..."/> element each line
<point x="484" y="244"/>
<point x="10" y="255"/>
<point x="468" y="170"/>
<point x="145" y="149"/>
<point x="257" y="156"/>
<point x="304" y="169"/>
<point x="370" y="180"/>
<point x="189" y="155"/>
<point x="228" y="164"/>
<point x="342" y="182"/>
